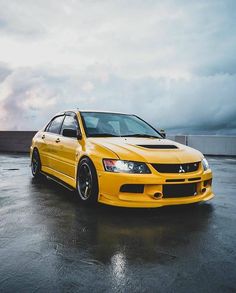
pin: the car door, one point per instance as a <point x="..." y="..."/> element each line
<point x="68" y="148"/>
<point x="51" y="137"/>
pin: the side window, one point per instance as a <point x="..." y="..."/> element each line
<point x="69" y="123"/>
<point x="55" y="125"/>
<point x="47" y="127"/>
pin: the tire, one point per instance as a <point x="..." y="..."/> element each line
<point x="87" y="181"/>
<point x="36" y="164"/>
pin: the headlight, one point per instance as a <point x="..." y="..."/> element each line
<point x="119" y="166"/>
<point x="205" y="164"/>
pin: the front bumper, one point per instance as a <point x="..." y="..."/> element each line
<point x="110" y="185"/>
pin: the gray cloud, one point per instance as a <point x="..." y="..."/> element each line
<point x="171" y="62"/>
<point x="31" y="97"/>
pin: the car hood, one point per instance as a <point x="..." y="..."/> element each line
<point x="150" y="150"/>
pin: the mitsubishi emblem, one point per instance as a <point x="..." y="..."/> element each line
<point x="181" y="170"/>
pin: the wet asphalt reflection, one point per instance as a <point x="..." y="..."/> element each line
<point x="50" y="242"/>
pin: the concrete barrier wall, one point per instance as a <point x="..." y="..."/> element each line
<point x="213" y="145"/>
<point x="20" y="141"/>
<point x="221" y="145"/>
<point x="15" y="141"/>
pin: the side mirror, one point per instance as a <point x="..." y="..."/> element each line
<point x="79" y="135"/>
<point x="69" y="132"/>
<point x="162" y="133"/>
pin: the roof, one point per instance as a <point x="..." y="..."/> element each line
<point x="77" y="110"/>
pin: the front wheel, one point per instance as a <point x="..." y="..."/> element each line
<point x="36" y="164"/>
<point x="87" y="182"/>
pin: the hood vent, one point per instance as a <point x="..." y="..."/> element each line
<point x="158" y="146"/>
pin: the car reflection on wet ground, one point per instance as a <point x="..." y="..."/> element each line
<point x="50" y="242"/>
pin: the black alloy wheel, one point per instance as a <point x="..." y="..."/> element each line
<point x="87" y="182"/>
<point x="36" y="164"/>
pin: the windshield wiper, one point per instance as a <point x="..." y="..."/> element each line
<point x="103" y="135"/>
<point x="141" y="135"/>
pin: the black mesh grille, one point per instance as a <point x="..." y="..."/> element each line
<point x="176" y="168"/>
<point x="132" y="188"/>
<point x="179" y="190"/>
<point x="158" y="146"/>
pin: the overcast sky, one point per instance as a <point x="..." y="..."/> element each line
<point x="171" y="62"/>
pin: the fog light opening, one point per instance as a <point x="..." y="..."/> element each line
<point x="203" y="190"/>
<point x="157" y="195"/>
<point x="207" y="183"/>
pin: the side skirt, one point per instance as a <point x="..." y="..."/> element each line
<point x="55" y="179"/>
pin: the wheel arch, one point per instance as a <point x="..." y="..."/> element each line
<point x="35" y="154"/>
<point x="31" y="155"/>
<point x="84" y="156"/>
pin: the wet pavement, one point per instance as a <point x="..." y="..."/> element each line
<point x="50" y="242"/>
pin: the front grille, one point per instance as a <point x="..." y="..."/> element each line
<point x="132" y="188"/>
<point x="158" y="146"/>
<point x="179" y="190"/>
<point x="175" y="180"/>
<point x="176" y="168"/>
<point x="194" y="179"/>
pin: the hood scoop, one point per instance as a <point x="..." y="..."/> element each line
<point x="158" y="146"/>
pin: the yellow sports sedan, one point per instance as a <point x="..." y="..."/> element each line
<point x="120" y="160"/>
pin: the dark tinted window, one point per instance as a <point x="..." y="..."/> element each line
<point x="69" y="123"/>
<point x="55" y="125"/>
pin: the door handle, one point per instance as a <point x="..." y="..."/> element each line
<point x="43" y="136"/>
<point x="57" y="140"/>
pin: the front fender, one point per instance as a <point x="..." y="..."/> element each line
<point x="97" y="153"/>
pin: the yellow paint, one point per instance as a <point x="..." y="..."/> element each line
<point x="61" y="160"/>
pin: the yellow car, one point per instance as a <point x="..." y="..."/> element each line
<point x="120" y="160"/>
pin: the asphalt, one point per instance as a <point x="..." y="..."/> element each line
<point x="50" y="242"/>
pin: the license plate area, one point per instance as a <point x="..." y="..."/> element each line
<point x="179" y="190"/>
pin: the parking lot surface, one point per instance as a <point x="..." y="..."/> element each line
<point x="50" y="242"/>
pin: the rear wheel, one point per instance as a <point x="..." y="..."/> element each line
<point x="36" y="164"/>
<point x="87" y="182"/>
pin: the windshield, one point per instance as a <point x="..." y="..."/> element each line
<point x="97" y="124"/>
